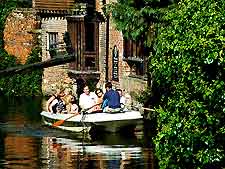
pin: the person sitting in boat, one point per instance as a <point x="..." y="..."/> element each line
<point x="99" y="99"/>
<point x="87" y="100"/>
<point x="55" y="103"/>
<point x="111" y="99"/>
<point x="72" y="106"/>
<point x="67" y="96"/>
<point x="122" y="98"/>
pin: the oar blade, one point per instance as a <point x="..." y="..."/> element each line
<point x="58" y="123"/>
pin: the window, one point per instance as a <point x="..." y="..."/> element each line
<point x="136" y="56"/>
<point x="134" y="49"/>
<point x="90" y="37"/>
<point x="53" y="43"/>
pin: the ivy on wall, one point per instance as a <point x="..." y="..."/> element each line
<point x="24" y="84"/>
<point x="28" y="83"/>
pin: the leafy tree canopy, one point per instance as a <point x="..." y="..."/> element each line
<point x="188" y="68"/>
<point x="188" y="73"/>
<point x="134" y="17"/>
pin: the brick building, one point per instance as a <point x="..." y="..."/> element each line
<point x="101" y="52"/>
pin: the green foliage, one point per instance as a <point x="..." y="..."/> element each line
<point x="19" y="84"/>
<point x="134" y="17"/>
<point x="188" y="68"/>
<point x="6" y="60"/>
<point x="67" y="40"/>
<point x="6" y="7"/>
<point x="24" y="84"/>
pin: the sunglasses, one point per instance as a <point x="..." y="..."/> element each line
<point x="99" y="92"/>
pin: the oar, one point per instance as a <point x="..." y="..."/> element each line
<point x="60" y="122"/>
<point x="145" y="108"/>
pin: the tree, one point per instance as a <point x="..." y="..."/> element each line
<point x="188" y="68"/>
<point x="136" y="17"/>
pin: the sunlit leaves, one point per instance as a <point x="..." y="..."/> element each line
<point x="133" y="18"/>
<point x="189" y="65"/>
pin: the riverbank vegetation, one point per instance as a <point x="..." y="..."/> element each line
<point x="29" y="83"/>
<point x="187" y="70"/>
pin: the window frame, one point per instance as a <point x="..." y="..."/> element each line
<point x="52" y="37"/>
<point x="135" y="54"/>
<point x="87" y="37"/>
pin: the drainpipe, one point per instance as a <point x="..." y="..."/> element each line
<point x="107" y="50"/>
<point x="107" y="46"/>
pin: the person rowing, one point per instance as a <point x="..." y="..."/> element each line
<point x="111" y="99"/>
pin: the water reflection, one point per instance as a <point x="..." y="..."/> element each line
<point x="74" y="154"/>
<point x="25" y="143"/>
<point x="20" y="152"/>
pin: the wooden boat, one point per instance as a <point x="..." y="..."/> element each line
<point x="111" y="122"/>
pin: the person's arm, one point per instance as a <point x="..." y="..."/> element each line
<point x="122" y="100"/>
<point x="74" y="109"/>
<point x="105" y="96"/>
<point x="48" y="103"/>
<point x="81" y="101"/>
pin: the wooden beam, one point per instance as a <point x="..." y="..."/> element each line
<point x="38" y="65"/>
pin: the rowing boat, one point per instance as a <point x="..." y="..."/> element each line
<point x="111" y="122"/>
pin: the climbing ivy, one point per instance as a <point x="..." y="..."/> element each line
<point x="24" y="84"/>
<point x="19" y="84"/>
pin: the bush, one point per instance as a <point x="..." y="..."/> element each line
<point x="188" y="69"/>
<point x="24" y="84"/>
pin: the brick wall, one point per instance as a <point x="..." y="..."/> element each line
<point x="53" y="76"/>
<point x="18" y="37"/>
<point x="102" y="53"/>
<point x="125" y="81"/>
<point x="52" y="24"/>
<point x="19" y="42"/>
<point x="102" y="45"/>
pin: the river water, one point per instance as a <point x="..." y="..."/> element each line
<point x="25" y="143"/>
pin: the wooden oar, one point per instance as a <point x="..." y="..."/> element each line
<point x="145" y="108"/>
<point x="60" y="122"/>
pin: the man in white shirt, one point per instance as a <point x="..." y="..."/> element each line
<point x="122" y="98"/>
<point x="87" y="99"/>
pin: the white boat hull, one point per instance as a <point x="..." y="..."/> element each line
<point x="112" y="122"/>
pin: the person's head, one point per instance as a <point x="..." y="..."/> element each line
<point x="99" y="92"/>
<point x="68" y="91"/>
<point x="108" y="85"/>
<point x="120" y="92"/>
<point x="86" y="90"/>
<point x="72" y="99"/>
<point x="60" y="92"/>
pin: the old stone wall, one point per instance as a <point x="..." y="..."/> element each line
<point x="51" y="25"/>
<point x="19" y="36"/>
<point x="20" y="39"/>
<point x="102" y="54"/>
<point x="53" y="77"/>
